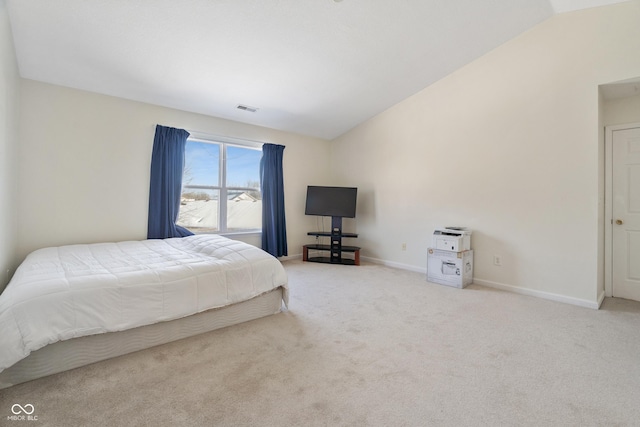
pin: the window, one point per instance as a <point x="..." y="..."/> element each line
<point x="221" y="187"/>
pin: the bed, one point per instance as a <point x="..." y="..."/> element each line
<point x="69" y="306"/>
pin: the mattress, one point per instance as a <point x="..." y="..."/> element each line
<point x="73" y="291"/>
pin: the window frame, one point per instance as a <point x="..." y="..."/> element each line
<point x="223" y="142"/>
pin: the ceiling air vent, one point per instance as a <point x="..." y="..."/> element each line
<point x="247" y="108"/>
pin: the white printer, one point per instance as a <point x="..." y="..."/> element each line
<point x="455" y="239"/>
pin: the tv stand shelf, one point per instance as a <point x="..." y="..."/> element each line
<point x="328" y="234"/>
<point x="327" y="260"/>
<point x="335" y="249"/>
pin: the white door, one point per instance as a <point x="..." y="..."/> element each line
<point x="626" y="213"/>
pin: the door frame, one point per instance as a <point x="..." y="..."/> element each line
<point x="608" y="204"/>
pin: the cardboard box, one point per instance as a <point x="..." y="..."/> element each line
<point x="450" y="268"/>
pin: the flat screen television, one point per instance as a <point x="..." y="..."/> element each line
<point x="331" y="201"/>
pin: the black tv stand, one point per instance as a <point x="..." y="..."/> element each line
<point x="336" y="248"/>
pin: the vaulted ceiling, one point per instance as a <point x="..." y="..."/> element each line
<point x="314" y="67"/>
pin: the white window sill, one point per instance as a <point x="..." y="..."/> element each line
<point x="241" y="233"/>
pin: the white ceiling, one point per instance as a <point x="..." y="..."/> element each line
<point x="314" y="67"/>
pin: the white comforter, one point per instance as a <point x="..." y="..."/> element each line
<point x="72" y="291"/>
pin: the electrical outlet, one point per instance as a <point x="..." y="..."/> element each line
<point x="404" y="246"/>
<point x="497" y="260"/>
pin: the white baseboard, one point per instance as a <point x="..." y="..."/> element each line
<point x="290" y="257"/>
<point x="509" y="288"/>
<point x="540" y="294"/>
<point x="601" y="298"/>
<point x="394" y="264"/>
<point x="501" y="286"/>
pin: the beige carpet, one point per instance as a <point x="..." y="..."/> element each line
<point x="374" y="346"/>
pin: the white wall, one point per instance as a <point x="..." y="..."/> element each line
<point x="509" y="146"/>
<point x="622" y="111"/>
<point x="9" y="84"/>
<point x="84" y="164"/>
